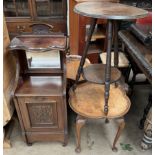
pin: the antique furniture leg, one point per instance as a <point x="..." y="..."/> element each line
<point x="91" y="30"/>
<point x="115" y="23"/>
<point x="119" y="131"/>
<point x="80" y="122"/>
<point x="116" y="60"/>
<point x="146" y="110"/>
<point x="106" y="120"/>
<point x="108" y="67"/>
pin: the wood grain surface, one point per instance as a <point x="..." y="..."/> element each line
<point x="96" y="73"/>
<point x="33" y="42"/>
<point x="108" y="10"/>
<point x="40" y="86"/>
<point x="88" y="101"/>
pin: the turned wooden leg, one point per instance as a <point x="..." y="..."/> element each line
<point x="119" y="131"/>
<point x="80" y="69"/>
<point x="116" y="55"/>
<point x="80" y="122"/>
<point x="108" y="67"/>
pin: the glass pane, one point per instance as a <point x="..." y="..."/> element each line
<point x="49" y="8"/>
<point x="50" y="59"/>
<point x="16" y="8"/>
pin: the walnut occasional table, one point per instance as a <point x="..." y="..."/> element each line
<point x="91" y="99"/>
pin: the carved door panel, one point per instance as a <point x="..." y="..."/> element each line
<point x="41" y="114"/>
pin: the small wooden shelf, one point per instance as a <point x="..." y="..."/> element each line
<point x="40" y="86"/>
<point x="95" y="73"/>
<point x="99" y="33"/>
<point x="95" y="48"/>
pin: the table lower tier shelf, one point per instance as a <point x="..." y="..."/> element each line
<point x="96" y="73"/>
<point x="88" y="101"/>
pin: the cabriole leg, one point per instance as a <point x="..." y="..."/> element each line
<point x="80" y="122"/>
<point x="119" y="131"/>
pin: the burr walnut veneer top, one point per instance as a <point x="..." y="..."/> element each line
<point x="88" y="100"/>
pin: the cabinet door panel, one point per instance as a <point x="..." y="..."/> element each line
<point x="47" y="8"/>
<point x="41" y="115"/>
<point x="16" y="8"/>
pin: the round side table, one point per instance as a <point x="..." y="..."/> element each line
<point x="112" y="12"/>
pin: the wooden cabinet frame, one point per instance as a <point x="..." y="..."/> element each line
<point x="18" y="25"/>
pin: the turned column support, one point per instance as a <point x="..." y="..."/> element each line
<point x="108" y="66"/>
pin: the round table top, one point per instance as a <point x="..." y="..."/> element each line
<point x="88" y="101"/>
<point x="108" y="10"/>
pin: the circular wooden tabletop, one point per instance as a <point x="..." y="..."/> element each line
<point x="108" y="10"/>
<point x="88" y="101"/>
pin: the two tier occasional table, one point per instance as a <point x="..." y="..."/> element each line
<point x="91" y="100"/>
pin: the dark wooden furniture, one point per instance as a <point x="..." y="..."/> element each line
<point x="112" y="14"/>
<point x="138" y="46"/>
<point x="40" y="87"/>
<point x="105" y="74"/>
<point x="138" y="52"/>
<point x="145" y="4"/>
<point x="79" y="32"/>
<point x="21" y="14"/>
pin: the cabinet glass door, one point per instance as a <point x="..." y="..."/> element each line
<point x="46" y="8"/>
<point x="16" y="8"/>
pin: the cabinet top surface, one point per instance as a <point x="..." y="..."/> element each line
<point x="40" y="86"/>
<point x="108" y="10"/>
<point x="38" y="42"/>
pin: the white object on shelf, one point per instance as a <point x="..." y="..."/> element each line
<point x="123" y="61"/>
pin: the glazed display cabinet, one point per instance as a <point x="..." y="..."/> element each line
<point x="21" y="14"/>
